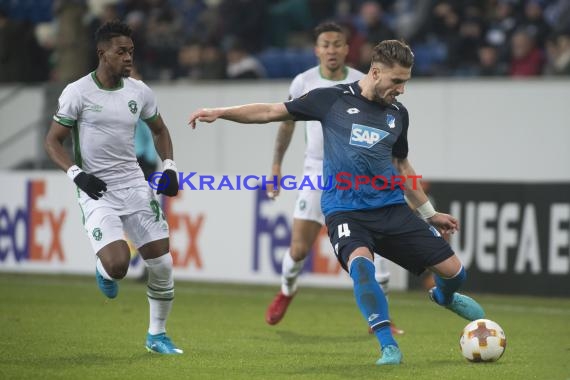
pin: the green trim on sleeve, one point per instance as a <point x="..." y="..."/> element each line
<point x="69" y="123"/>
<point x="152" y="118"/>
<point x="77" y="146"/>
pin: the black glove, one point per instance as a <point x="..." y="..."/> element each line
<point x="168" y="183"/>
<point x="90" y="184"/>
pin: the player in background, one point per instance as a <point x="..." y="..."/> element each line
<point x="331" y="49"/>
<point x="364" y="136"/>
<point x="100" y="111"/>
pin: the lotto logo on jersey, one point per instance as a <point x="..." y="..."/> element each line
<point x="365" y="136"/>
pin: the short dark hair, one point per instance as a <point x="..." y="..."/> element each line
<point x="112" y="29"/>
<point x="327" y="26"/>
<point x="390" y="52"/>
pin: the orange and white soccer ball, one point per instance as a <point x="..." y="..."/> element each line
<point x="483" y="341"/>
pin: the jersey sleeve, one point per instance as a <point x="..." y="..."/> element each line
<point x="400" y="148"/>
<point x="149" y="111"/>
<point x="296" y="87"/>
<point x="314" y="105"/>
<point x="68" y="107"/>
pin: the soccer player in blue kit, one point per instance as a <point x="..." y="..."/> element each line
<point x="365" y="137"/>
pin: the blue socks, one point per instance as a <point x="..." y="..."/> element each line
<point x="445" y="287"/>
<point x="371" y="300"/>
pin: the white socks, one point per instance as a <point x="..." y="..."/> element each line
<point x="382" y="275"/>
<point x="290" y="271"/>
<point x="160" y="292"/>
<point x="102" y="271"/>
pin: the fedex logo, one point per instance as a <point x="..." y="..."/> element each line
<point x="366" y="137"/>
<point x="190" y="226"/>
<point x="272" y="234"/>
<point x="19" y="229"/>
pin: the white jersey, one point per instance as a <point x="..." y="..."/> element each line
<point x="103" y="126"/>
<point x="305" y="82"/>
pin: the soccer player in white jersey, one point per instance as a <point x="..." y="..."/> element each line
<point x="331" y="48"/>
<point x="100" y="111"/>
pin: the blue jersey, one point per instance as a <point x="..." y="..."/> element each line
<point x="360" y="138"/>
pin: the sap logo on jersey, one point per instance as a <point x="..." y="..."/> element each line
<point x="365" y="136"/>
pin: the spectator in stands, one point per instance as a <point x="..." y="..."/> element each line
<point x="464" y="56"/>
<point x="489" y="64"/>
<point x="21" y="58"/>
<point x="533" y="21"/>
<point x="190" y="12"/>
<point x="285" y="17"/>
<point x="164" y="38"/>
<point x="371" y="23"/>
<point x="365" y="56"/>
<point x="98" y="16"/>
<point x="557" y="14"/>
<point x="558" y="54"/>
<point x="213" y="62"/>
<point x="356" y="41"/>
<point x="241" y="64"/>
<point x="72" y="49"/>
<point x="526" y="58"/>
<point x="443" y="32"/>
<point x="562" y="63"/>
<point x="189" y="61"/>
<point x="410" y="18"/>
<point x="501" y="25"/>
<point x="136" y="20"/>
<point x="9" y="63"/>
<point x="244" y="20"/>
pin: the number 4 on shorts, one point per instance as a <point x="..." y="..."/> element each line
<point x="343" y="230"/>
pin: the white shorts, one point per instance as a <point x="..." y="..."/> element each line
<point x="132" y="210"/>
<point x="308" y="204"/>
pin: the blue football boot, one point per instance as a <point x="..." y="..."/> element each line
<point x="108" y="287"/>
<point x="161" y="344"/>
<point x="390" y="355"/>
<point x="462" y="305"/>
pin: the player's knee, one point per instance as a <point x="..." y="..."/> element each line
<point x="117" y="270"/>
<point x="362" y="270"/>
<point x="299" y="250"/>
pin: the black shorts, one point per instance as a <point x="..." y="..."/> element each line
<point x="394" y="232"/>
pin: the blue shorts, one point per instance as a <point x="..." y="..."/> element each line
<point x="394" y="231"/>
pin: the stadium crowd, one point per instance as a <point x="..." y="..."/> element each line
<point x="50" y="40"/>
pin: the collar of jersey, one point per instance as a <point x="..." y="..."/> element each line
<point x="100" y="85"/>
<point x="344" y="71"/>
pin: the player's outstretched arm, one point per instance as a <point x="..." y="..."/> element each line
<point x="284" y="135"/>
<point x="257" y="113"/>
<point x="419" y="201"/>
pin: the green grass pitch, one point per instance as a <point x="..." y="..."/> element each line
<point x="61" y="327"/>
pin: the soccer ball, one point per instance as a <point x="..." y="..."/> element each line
<point x="483" y="341"/>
